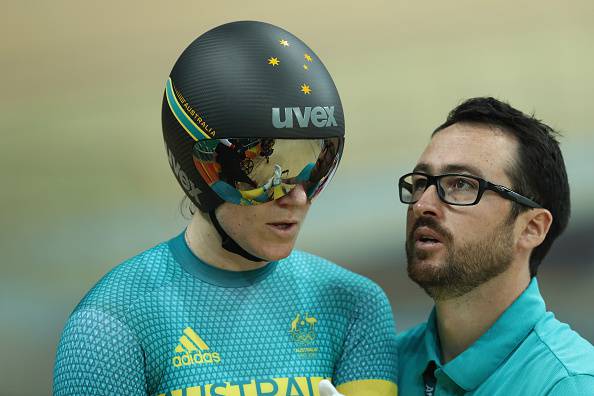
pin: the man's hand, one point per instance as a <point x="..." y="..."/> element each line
<point x="327" y="389"/>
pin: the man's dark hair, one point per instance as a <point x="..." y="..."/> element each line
<point x="539" y="170"/>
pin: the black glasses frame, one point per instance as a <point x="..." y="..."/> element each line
<point x="483" y="185"/>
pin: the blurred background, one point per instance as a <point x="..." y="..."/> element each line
<point x="86" y="184"/>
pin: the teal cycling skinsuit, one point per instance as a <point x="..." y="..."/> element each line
<point x="166" y="323"/>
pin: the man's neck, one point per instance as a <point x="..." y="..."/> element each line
<point x="463" y="320"/>
<point x="205" y="242"/>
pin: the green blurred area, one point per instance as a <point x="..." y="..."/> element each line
<point x="85" y="181"/>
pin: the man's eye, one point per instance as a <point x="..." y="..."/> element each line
<point x="419" y="184"/>
<point x="463" y="184"/>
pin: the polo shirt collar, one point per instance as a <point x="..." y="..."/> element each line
<point x="432" y="344"/>
<point x="473" y="366"/>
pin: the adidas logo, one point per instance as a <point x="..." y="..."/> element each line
<point x="193" y="350"/>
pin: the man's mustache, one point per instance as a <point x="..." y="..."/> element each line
<point x="431" y="223"/>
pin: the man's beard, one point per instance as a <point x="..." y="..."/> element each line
<point x="465" y="267"/>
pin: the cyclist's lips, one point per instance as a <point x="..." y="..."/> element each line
<point x="284" y="228"/>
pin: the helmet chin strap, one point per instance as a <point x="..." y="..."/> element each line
<point x="228" y="243"/>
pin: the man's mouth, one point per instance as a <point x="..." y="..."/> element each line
<point x="425" y="237"/>
<point x="428" y="240"/>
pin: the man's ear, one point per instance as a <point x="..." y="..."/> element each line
<point x="536" y="226"/>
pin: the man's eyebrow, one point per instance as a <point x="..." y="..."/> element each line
<point x="462" y="168"/>
<point x="422" y="167"/>
<point x="451" y="168"/>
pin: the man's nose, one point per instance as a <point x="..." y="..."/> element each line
<point x="429" y="204"/>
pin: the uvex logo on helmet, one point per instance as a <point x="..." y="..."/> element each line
<point x="319" y="116"/>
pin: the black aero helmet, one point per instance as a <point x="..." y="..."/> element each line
<point x="249" y="112"/>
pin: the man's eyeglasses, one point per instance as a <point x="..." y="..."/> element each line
<point x="455" y="189"/>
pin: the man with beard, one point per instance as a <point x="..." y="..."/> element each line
<point x="486" y="200"/>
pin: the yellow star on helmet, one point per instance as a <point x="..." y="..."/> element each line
<point x="273" y="61"/>
<point x="305" y="89"/>
<point x="307" y="57"/>
<point x="305" y="67"/>
<point x="284" y="43"/>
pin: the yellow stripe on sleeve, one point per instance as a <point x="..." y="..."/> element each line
<point x="368" y="388"/>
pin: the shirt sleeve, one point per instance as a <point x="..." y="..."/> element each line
<point x="369" y="351"/>
<point x="581" y="384"/>
<point x="98" y="355"/>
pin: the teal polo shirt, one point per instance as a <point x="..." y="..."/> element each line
<point x="526" y="352"/>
